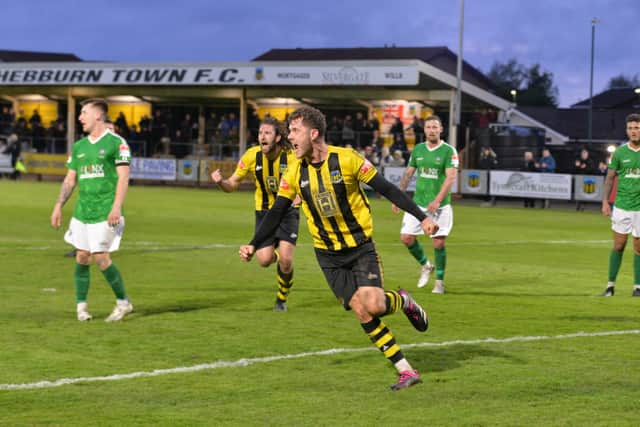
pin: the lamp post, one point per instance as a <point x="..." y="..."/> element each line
<point x="514" y="95"/>
<point x="594" y="21"/>
<point x="455" y="120"/>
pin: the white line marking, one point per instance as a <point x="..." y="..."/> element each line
<point x="256" y="360"/>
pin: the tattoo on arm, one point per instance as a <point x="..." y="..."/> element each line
<point x="65" y="192"/>
<point x="608" y="186"/>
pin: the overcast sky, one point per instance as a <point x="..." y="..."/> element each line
<point x="554" y="33"/>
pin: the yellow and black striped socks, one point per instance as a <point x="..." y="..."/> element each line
<point x="382" y="338"/>
<point x="285" y="282"/>
<point x="393" y="301"/>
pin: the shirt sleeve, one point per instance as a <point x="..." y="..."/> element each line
<point x="288" y="183"/>
<point x="71" y="161"/>
<point x="614" y="163"/>
<point x="123" y="155"/>
<point x="245" y="164"/>
<point x="412" y="160"/>
<point x="365" y="169"/>
<point x="452" y="161"/>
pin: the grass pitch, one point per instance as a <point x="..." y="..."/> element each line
<point x="529" y="279"/>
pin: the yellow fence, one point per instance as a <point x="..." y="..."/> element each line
<point x="45" y="164"/>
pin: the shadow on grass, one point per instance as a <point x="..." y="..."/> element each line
<point x="178" y="307"/>
<point x="445" y="359"/>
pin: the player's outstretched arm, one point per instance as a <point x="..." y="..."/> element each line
<point x="396" y="196"/>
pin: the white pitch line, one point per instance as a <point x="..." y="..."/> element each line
<point x="269" y="359"/>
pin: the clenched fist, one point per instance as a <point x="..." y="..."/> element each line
<point x="429" y="227"/>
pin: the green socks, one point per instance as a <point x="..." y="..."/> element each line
<point x="615" y="259"/>
<point x="636" y="269"/>
<point x="112" y="274"/>
<point x="81" y="282"/>
<point x="417" y="252"/>
<point x="441" y="262"/>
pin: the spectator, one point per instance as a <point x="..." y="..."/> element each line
<point x="546" y="164"/>
<point x="334" y="131"/>
<point x="35" y="119"/>
<point x="584" y="164"/>
<point x="488" y="160"/>
<point x="602" y="168"/>
<point x="122" y="125"/>
<point x="529" y="166"/>
<point x="371" y="155"/>
<point x="400" y="144"/>
<point x="397" y="130"/>
<point x="13" y="149"/>
<point x="374" y="124"/>
<point x="362" y="131"/>
<point x="224" y="128"/>
<point x="234" y="126"/>
<point x="397" y="159"/>
<point x="39" y="137"/>
<point x="376" y="141"/>
<point x="186" y="128"/>
<point x="418" y="129"/>
<point x="348" y="133"/>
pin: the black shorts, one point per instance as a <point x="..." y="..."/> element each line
<point x="349" y="269"/>
<point x="287" y="230"/>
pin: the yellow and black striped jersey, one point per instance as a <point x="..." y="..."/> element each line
<point x="337" y="210"/>
<point x="267" y="173"/>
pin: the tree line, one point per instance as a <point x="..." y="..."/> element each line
<point x="534" y="86"/>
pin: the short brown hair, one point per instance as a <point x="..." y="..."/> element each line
<point x="100" y="104"/>
<point x="633" y="117"/>
<point x="312" y="118"/>
<point x="432" y="118"/>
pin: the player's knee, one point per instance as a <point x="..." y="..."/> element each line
<point x="102" y="261"/>
<point x="368" y="301"/>
<point x="83" y="257"/>
<point x="619" y="247"/>
<point x="265" y="261"/>
<point x="407" y="239"/>
<point x="286" y="264"/>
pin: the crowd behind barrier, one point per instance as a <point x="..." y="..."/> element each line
<point x="470" y="182"/>
<point x="175" y="142"/>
